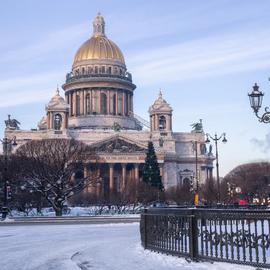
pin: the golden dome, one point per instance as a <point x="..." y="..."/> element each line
<point x="98" y="47"/>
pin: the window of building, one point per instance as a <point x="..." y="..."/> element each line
<point x="114" y="104"/>
<point x="87" y="104"/>
<point x="186" y="182"/>
<point x="96" y="69"/>
<point x="162" y="122"/>
<point x="77" y="105"/>
<point x="83" y="70"/>
<point x="103" y="69"/>
<point x="71" y="104"/>
<point x="103" y="103"/>
<point x="90" y="70"/>
<point x="161" y="142"/>
<point x="120" y="104"/>
<point x="57" y="121"/>
<point x="109" y="70"/>
<point x="126" y="105"/>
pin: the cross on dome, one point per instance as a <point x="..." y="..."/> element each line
<point x="99" y="25"/>
<point x="57" y="91"/>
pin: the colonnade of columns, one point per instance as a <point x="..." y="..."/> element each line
<point x="115" y="177"/>
<point x="100" y="101"/>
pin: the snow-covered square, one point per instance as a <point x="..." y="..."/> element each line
<point x="76" y="247"/>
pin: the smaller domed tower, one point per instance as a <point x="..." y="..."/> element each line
<point x="160" y="115"/>
<point x="57" y="114"/>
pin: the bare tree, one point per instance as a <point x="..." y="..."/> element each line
<point x="125" y="199"/>
<point x="181" y="195"/>
<point x="9" y="170"/>
<point x="209" y="191"/>
<point x="147" y="194"/>
<point x="55" y="169"/>
<point x="252" y="178"/>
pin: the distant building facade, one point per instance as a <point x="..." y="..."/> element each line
<point x="98" y="110"/>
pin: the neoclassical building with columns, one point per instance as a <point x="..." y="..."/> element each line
<point x="98" y="110"/>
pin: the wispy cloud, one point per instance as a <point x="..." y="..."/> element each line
<point x="52" y="41"/>
<point x="24" y="90"/>
<point x="262" y="144"/>
<point x="214" y="56"/>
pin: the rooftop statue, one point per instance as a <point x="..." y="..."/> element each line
<point x="197" y="127"/>
<point x="12" y="123"/>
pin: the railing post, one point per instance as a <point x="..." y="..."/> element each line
<point x="143" y="228"/>
<point x="193" y="236"/>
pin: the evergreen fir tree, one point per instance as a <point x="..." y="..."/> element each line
<point x="151" y="172"/>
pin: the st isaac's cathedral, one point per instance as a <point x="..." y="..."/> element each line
<point x="98" y="110"/>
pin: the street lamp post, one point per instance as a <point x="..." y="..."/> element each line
<point x="7" y="147"/>
<point x="216" y="139"/>
<point x="255" y="99"/>
<point x="195" y="149"/>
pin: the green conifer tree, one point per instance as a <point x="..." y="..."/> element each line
<point x="151" y="172"/>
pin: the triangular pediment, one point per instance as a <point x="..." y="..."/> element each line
<point x="118" y="144"/>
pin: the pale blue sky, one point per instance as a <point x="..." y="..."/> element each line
<point x="204" y="55"/>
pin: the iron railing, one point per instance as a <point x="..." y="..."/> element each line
<point x="229" y="235"/>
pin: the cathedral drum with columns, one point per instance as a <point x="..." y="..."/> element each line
<point x="98" y="110"/>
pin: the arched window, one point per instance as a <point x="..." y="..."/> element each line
<point x="96" y="69"/>
<point x="87" y="104"/>
<point x="103" y="103"/>
<point x="109" y="70"/>
<point x="77" y="105"/>
<point x="102" y="69"/>
<point x="186" y="182"/>
<point x="90" y="70"/>
<point x="57" y="121"/>
<point x="162" y="122"/>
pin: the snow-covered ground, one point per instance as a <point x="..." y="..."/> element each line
<point x="100" y="247"/>
<point x="81" y="211"/>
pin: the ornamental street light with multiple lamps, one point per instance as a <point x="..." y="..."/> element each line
<point x="256" y="98"/>
<point x="216" y="139"/>
<point x="7" y="147"/>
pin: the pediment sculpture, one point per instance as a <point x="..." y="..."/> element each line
<point x="119" y="146"/>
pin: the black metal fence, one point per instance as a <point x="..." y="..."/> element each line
<point x="229" y="235"/>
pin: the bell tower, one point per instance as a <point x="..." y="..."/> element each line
<point x="160" y="115"/>
<point x="57" y="113"/>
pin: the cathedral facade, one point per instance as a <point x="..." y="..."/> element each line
<point x="98" y="110"/>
